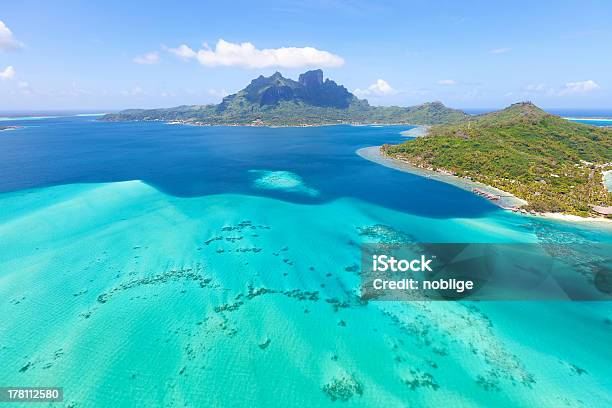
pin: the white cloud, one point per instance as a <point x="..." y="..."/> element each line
<point x="536" y="88"/>
<point x="8" y="73"/>
<point x="378" y="88"/>
<point x="7" y="41"/>
<point x="182" y="51"/>
<point x="147" y="59"/>
<point x="25" y="88"/>
<point x="500" y="50"/>
<point x="220" y="93"/>
<point x="447" y="82"/>
<point x="579" y="87"/>
<point x="247" y="56"/>
<point x="569" y="88"/>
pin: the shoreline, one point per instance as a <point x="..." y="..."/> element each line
<point x="269" y="125"/>
<point x="587" y="119"/>
<point x="418" y="131"/>
<point x="22" y="118"/>
<point x="506" y="201"/>
<point x="8" y="128"/>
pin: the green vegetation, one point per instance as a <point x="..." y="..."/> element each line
<point x="554" y="164"/>
<point x="280" y="101"/>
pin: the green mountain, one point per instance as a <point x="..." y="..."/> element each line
<point x="309" y="90"/>
<point x="554" y="164"/>
<point x="276" y="100"/>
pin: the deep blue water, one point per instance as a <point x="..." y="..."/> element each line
<point x="181" y="343"/>
<point x="191" y="161"/>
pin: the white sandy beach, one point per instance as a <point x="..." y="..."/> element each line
<point x="374" y="154"/>
<point x="418" y="131"/>
<point x="591" y="119"/>
<point x="506" y="201"/>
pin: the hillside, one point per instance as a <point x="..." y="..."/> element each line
<point x="554" y="164"/>
<point x="276" y="100"/>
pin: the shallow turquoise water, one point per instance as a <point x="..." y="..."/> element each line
<point x="127" y="295"/>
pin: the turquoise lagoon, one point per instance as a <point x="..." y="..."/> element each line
<point x="143" y="264"/>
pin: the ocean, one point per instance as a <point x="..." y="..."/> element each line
<point x="146" y="264"/>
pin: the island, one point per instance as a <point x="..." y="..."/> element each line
<point x="309" y="101"/>
<point x="555" y="165"/>
<point x="538" y="162"/>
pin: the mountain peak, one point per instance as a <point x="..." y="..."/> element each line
<point x="312" y="78"/>
<point x="524" y="109"/>
<point x="310" y="89"/>
<point x="520" y="113"/>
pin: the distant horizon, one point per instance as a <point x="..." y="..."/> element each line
<point x="481" y="54"/>
<point x="587" y="112"/>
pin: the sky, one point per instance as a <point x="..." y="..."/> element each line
<point x="88" y="55"/>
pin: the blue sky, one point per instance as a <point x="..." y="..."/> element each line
<point x="468" y="54"/>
